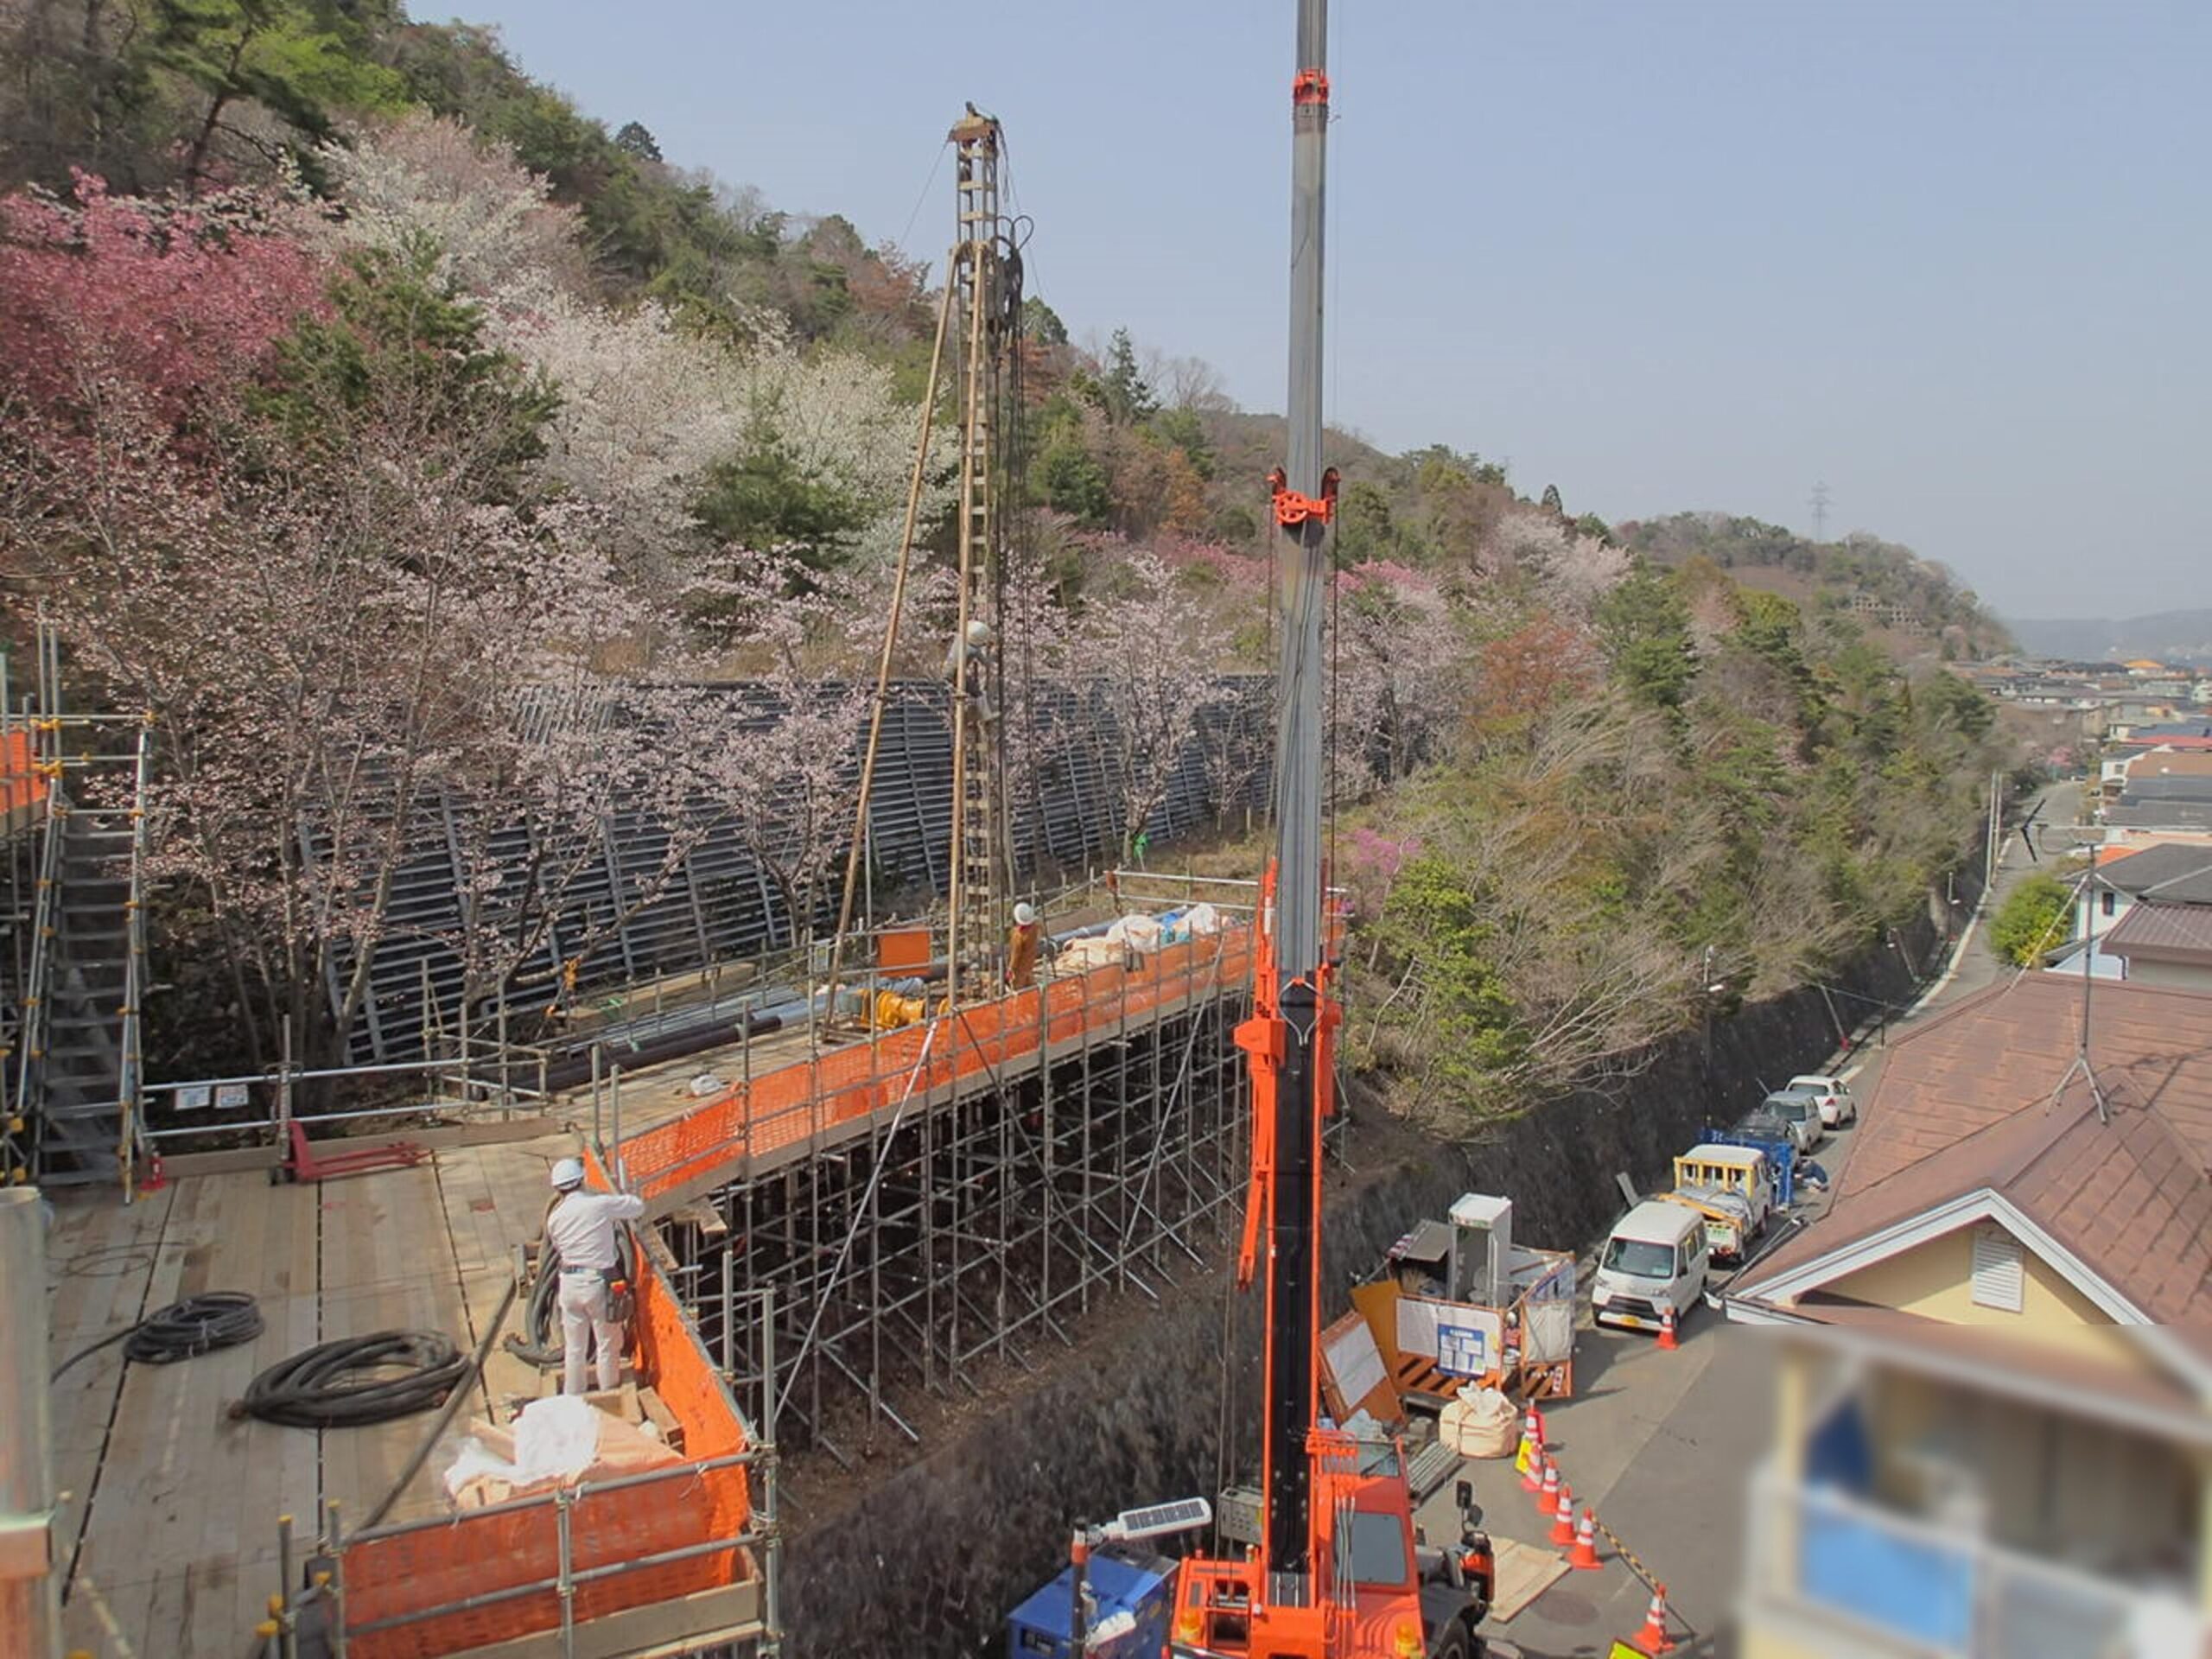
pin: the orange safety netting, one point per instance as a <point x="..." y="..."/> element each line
<point x="804" y="1099"/>
<point x="20" y="783"/>
<point x="418" y="1573"/>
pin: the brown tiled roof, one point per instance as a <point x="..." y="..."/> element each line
<point x="2172" y="763"/>
<point x="2163" y="933"/>
<point x="1966" y="1103"/>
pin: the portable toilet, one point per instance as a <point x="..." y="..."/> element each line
<point x="1132" y="1597"/>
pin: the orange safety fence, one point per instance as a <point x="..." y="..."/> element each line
<point x="417" y="1576"/>
<point x="21" y="784"/>
<point x="807" y="1098"/>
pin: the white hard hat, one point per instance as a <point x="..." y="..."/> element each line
<point x="979" y="632"/>
<point x="567" y="1172"/>
<point x="1024" y="914"/>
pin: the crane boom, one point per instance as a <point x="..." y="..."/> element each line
<point x="1337" y="1574"/>
<point x="1289" y="1056"/>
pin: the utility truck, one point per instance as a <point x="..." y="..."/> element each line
<point x="1732" y="1187"/>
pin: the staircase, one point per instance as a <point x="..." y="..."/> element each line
<point x="79" y="1071"/>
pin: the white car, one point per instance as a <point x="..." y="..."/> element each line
<point x="1837" y="1106"/>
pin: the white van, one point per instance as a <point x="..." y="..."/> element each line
<point x="1655" y="1259"/>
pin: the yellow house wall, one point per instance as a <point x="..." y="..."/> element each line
<point x="1935" y="1280"/>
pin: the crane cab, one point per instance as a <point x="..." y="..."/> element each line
<point x="1373" y="1592"/>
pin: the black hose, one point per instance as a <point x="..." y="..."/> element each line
<point x="538" y="1343"/>
<point x="351" y="1382"/>
<point x="198" y="1324"/>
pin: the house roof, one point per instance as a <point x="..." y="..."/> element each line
<point x="2137" y="792"/>
<point x="2162" y="933"/>
<point x="2174" y="872"/>
<point x="1969" y="1119"/>
<point x="2170" y="762"/>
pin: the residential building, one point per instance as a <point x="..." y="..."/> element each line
<point x="1996" y="1348"/>
<point x="2164" y="944"/>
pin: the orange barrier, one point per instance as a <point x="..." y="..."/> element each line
<point x="414" y="1580"/>
<point x="805" y="1098"/>
<point x="20" y="786"/>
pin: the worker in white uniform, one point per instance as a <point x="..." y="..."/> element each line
<point x="580" y="1226"/>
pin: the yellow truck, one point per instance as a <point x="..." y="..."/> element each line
<point x="1732" y="1187"/>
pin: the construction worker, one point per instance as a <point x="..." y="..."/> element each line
<point x="1021" y="946"/>
<point x="579" y="1227"/>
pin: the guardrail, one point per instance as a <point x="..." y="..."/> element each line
<point x="544" y="1564"/>
<point x="811" y="1097"/>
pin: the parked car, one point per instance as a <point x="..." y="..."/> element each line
<point x="1655" y="1260"/>
<point x="1837" y="1106"/>
<point x="1799" y="1111"/>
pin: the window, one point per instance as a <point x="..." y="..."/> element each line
<point x="1378" y="1549"/>
<point x="1638" y="1259"/>
<point x="1998" y="1276"/>
<point x="2106" y="900"/>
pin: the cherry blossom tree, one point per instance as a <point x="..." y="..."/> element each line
<point x="167" y="306"/>
<point x="497" y="228"/>
<point x="1148" y="658"/>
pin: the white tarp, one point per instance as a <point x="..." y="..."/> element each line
<point x="1547" y="1331"/>
<point x="1355" y="1363"/>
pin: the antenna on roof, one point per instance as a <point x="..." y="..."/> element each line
<point x="2080" y="1062"/>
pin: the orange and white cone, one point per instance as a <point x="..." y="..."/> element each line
<point x="1563" y="1531"/>
<point x="1529" y="1458"/>
<point x="1667" y="1329"/>
<point x="1548" y="1495"/>
<point x="1653" y="1640"/>
<point x="1585" y="1542"/>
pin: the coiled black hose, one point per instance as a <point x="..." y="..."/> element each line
<point x="198" y="1324"/>
<point x="356" y="1380"/>
<point x="539" y="1342"/>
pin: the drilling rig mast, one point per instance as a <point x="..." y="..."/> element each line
<point x="978" y="344"/>
<point x="985" y="279"/>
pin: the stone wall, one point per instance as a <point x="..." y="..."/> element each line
<point x="928" y="1563"/>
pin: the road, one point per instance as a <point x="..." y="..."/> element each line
<point x="1664" y="1443"/>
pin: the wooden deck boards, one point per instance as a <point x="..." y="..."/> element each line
<point x="177" y="1503"/>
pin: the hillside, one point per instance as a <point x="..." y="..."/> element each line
<point x="1914" y="607"/>
<point x="2164" y="636"/>
<point x="338" y="327"/>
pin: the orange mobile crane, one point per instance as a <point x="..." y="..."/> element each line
<point x="1340" y="1572"/>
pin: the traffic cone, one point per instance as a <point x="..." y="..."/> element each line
<point x="1548" y="1495"/>
<point x="1585" y="1542"/>
<point x="1667" y="1329"/>
<point x="157" y="1178"/>
<point x="1529" y="1458"/>
<point x="1653" y="1640"/>
<point x="1563" y="1517"/>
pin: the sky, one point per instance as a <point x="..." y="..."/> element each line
<point x="1949" y="257"/>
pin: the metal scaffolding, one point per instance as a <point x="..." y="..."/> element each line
<point x="965" y="1232"/>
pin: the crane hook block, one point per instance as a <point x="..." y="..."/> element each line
<point x="1293" y="509"/>
<point x="1309" y="86"/>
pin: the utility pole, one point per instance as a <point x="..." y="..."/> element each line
<point x="1819" y="512"/>
<point x="30" y="1608"/>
